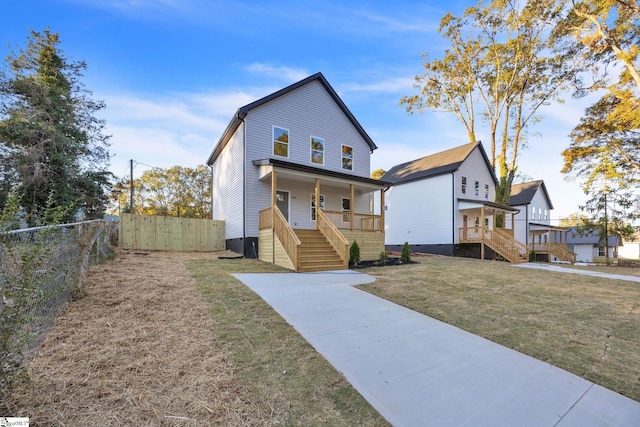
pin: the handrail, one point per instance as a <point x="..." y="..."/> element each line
<point x="287" y="237"/>
<point x="563" y="253"/>
<point x="510" y="248"/>
<point x="333" y="235"/>
<point x="361" y="222"/>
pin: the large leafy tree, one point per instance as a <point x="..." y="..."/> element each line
<point x="607" y="139"/>
<point x="605" y="146"/>
<point x="176" y="191"/>
<point x="500" y="68"/>
<point x="52" y="147"/>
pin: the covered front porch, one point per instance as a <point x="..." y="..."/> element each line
<point x="485" y="223"/>
<point x="315" y="215"/>
<point x="550" y="243"/>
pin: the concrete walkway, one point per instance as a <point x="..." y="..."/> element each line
<point x="558" y="269"/>
<point x="417" y="371"/>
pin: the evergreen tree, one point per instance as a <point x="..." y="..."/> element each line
<point x="49" y="131"/>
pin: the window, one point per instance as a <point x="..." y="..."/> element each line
<point x="347" y="157"/>
<point x="533" y="213"/>
<point x="477" y="188"/>
<point x="464" y="185"/>
<point x="477" y="222"/>
<point x="546" y="213"/>
<point x="313" y="205"/>
<point x="539" y="214"/>
<point x="317" y="150"/>
<point x="346" y="209"/>
<point x="571" y="248"/>
<point x="486" y="191"/>
<point x="280" y="142"/>
<point x="601" y="251"/>
<point x="486" y="222"/>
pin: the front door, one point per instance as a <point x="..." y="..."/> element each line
<point x="282" y="201"/>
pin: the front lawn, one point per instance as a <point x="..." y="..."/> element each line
<point x="586" y="325"/>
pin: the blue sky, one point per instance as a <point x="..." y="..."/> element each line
<point x="173" y="72"/>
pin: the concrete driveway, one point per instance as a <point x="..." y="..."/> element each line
<point x="417" y="371"/>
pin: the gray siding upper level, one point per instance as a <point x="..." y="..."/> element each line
<point x="306" y="111"/>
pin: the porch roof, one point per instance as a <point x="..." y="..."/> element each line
<point x="310" y="173"/>
<point x="536" y="226"/>
<point x="475" y="204"/>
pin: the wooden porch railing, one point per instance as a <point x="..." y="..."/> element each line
<point x="558" y="250"/>
<point x="361" y="222"/>
<point x="265" y="218"/>
<point x="283" y="231"/>
<point x="333" y="235"/>
<point x="508" y="247"/>
<point x="561" y="252"/>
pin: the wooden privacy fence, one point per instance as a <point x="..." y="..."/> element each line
<point x="161" y="233"/>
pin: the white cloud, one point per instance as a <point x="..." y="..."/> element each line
<point x="402" y="85"/>
<point x="287" y="74"/>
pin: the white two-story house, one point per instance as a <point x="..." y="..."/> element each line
<point x="444" y="204"/>
<point x="533" y="223"/>
<point x="291" y="180"/>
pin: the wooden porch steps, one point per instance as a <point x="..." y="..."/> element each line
<point x="316" y="253"/>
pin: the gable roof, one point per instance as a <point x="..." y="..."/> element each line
<point x="243" y="111"/>
<point x="436" y="164"/>
<point x="522" y="194"/>
<point x="589" y="237"/>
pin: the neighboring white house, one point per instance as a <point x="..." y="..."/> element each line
<point x="589" y="246"/>
<point x="285" y="150"/>
<point x="442" y="203"/>
<point x="533" y="222"/>
<point x="630" y="248"/>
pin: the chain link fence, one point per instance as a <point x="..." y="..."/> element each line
<point x="40" y="270"/>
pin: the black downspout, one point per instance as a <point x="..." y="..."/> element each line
<point x="244" y="185"/>
<point x="453" y="212"/>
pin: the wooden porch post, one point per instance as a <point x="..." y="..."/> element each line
<point x="317" y="189"/>
<point x="482" y="231"/>
<point x="513" y="224"/>
<point x="382" y="209"/>
<point x="273" y="215"/>
<point x="351" y="205"/>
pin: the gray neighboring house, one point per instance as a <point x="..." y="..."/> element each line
<point x="282" y="152"/>
<point x="589" y="247"/>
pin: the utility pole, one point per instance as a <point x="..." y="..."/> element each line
<point x="606" y="228"/>
<point x="131" y="186"/>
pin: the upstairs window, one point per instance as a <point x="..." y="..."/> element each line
<point x="347" y="157"/>
<point x="533" y="213"/>
<point x="280" y="142"/>
<point x="477" y="188"/>
<point x="464" y="185"/>
<point x="317" y="150"/>
<point x="486" y="191"/>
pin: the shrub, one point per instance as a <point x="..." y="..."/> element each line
<point x="384" y="256"/>
<point x="405" y="256"/>
<point x="354" y="253"/>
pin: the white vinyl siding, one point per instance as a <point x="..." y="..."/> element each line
<point x="475" y="169"/>
<point x="420" y="212"/>
<point x="227" y="189"/>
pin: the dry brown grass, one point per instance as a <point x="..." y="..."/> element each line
<point x="586" y="325"/>
<point x="137" y="349"/>
<point x="150" y="343"/>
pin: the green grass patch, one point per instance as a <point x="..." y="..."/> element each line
<point x="586" y="325"/>
<point x="287" y="381"/>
